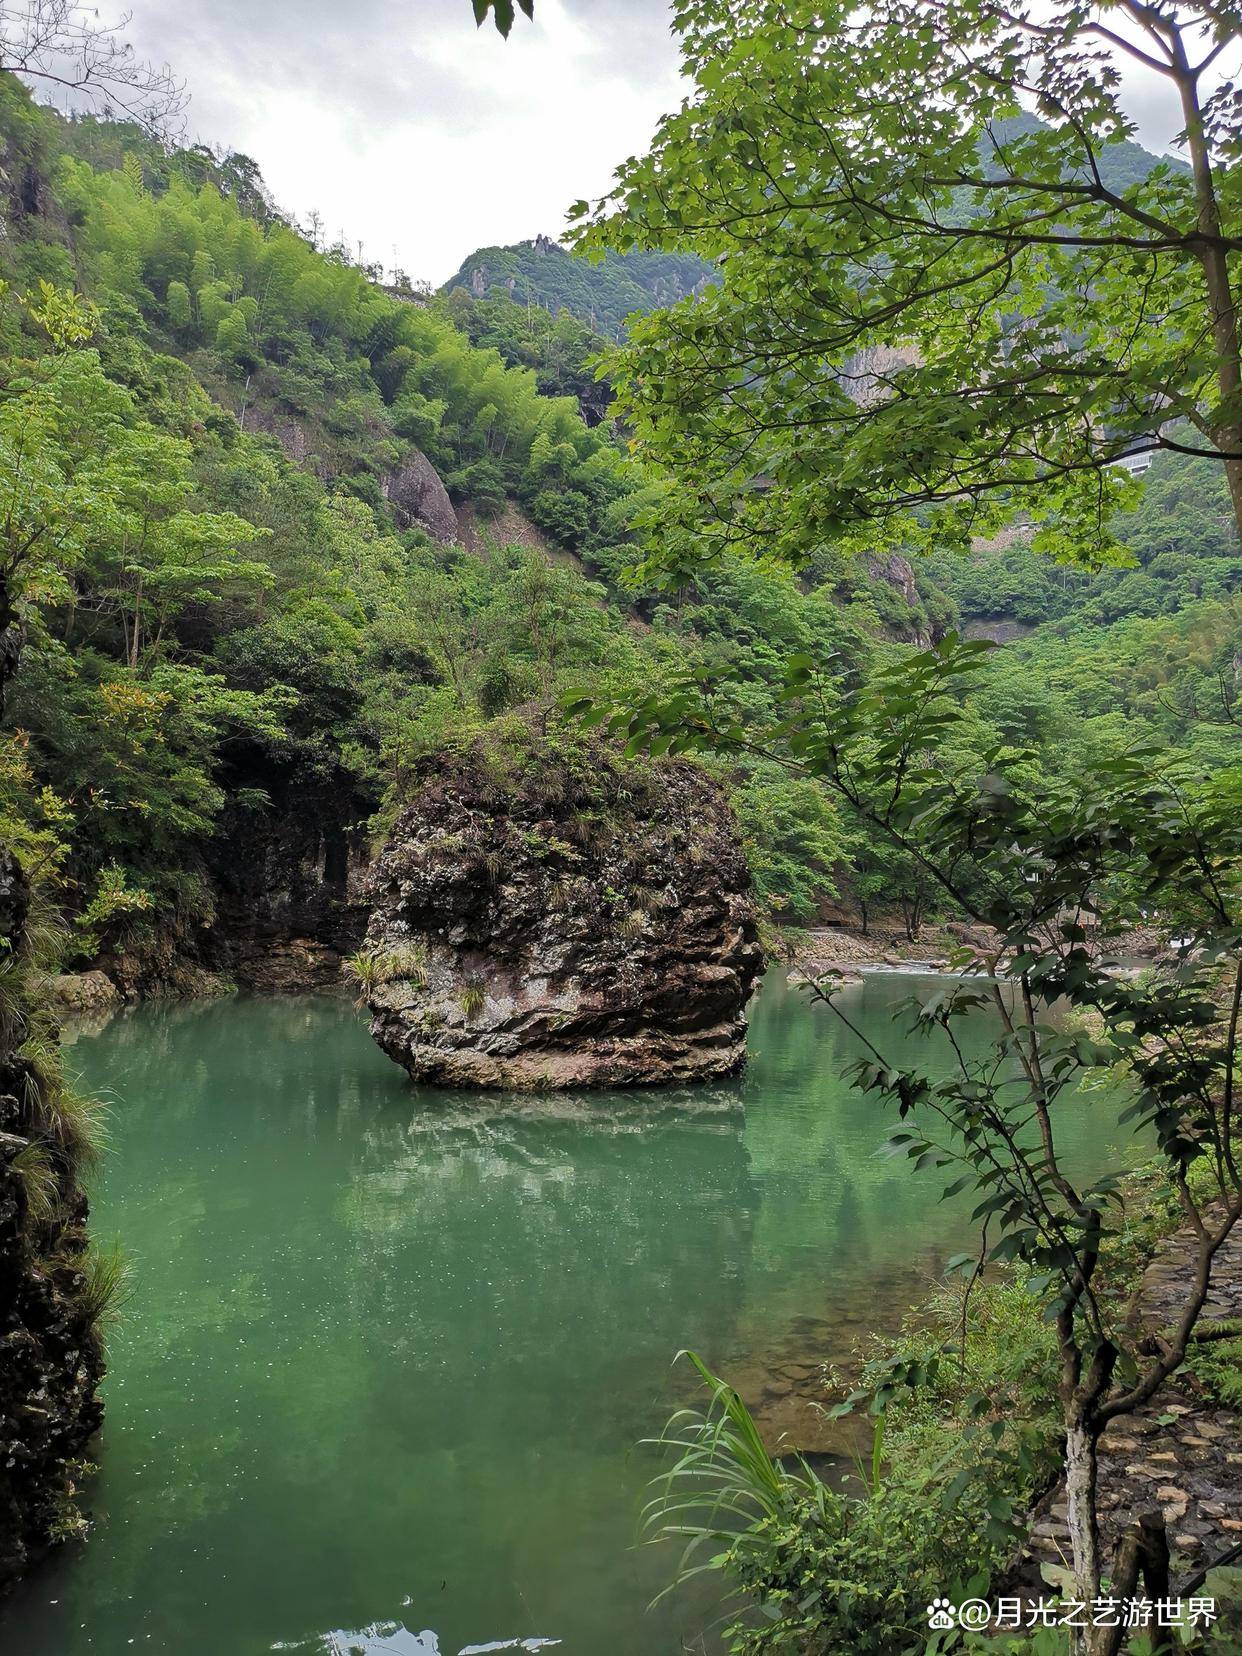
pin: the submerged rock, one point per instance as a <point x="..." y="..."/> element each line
<point x="575" y="923"/>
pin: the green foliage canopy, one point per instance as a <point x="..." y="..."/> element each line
<point x="932" y="313"/>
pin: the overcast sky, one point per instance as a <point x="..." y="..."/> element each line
<point x="406" y="127"/>
<point x="422" y="137"/>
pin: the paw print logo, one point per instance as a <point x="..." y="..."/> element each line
<point x="940" y="1615"/>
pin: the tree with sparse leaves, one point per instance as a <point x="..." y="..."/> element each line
<point x="937" y="312"/>
<point x="65" y="49"/>
<point x="1055" y="868"/>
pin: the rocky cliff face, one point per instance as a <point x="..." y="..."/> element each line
<point x="578" y="924"/>
<point x="50" y="1357"/>
<point x="418" y="497"/>
<point x="289" y="887"/>
<point x="897" y="571"/>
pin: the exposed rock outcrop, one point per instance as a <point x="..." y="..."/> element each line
<point x="50" y="1356"/>
<point x="91" y="991"/>
<point x="291" y="433"/>
<point x="510" y="526"/>
<point x="580" y="923"/>
<point x="289" y="887"/>
<point x="419" y="497"/>
<point x="287" y="898"/>
<point x="897" y="572"/>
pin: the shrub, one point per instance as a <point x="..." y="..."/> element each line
<point x="372" y="966"/>
<point x="822" y="1571"/>
<point x="104" y="1286"/>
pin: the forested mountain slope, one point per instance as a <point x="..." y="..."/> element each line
<point x="1119" y="164"/>
<point x="250" y="613"/>
<point x="260" y="616"/>
<point x="542" y="273"/>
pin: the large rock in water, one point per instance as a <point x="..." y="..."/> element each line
<point x="578" y="924"/>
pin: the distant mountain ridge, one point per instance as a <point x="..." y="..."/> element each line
<point x="542" y="272"/>
<point x="1120" y="164"/>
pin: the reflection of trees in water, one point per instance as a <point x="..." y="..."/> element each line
<point x="365" y="1306"/>
<point x="580" y="1240"/>
<point x="296" y="1062"/>
<point x="409" y="1325"/>
<point x="845" y="1237"/>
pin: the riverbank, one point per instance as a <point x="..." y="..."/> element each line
<point x="1179" y="1454"/>
<point x="972" y="1433"/>
<point x="886" y="946"/>
<point x="285" y="965"/>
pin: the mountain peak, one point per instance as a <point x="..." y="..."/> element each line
<point x="542" y="272"/>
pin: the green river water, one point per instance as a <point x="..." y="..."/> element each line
<point x="388" y="1351"/>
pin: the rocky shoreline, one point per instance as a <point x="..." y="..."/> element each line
<point x="1179" y="1454"/>
<point x="886" y="947"/>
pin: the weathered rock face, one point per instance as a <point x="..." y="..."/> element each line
<point x="50" y="1357"/>
<point x="290" y="432"/>
<point x="419" y="497"/>
<point x="582" y="925"/>
<point x="897" y="571"/>
<point x="289" y="888"/>
<point x="90" y="991"/>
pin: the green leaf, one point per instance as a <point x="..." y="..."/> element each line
<point x="502" y="12"/>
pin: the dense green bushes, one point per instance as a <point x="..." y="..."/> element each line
<point x="963" y="1437"/>
<point x="1181" y="539"/>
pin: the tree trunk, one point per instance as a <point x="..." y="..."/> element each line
<point x="1214" y="262"/>
<point x="1142" y="1551"/>
<point x="133" y="643"/>
<point x="11" y="637"/>
<point x="1080" y="1489"/>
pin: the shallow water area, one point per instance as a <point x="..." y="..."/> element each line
<point x="389" y="1351"/>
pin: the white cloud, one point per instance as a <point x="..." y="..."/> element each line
<point x="423" y="138"/>
<point x="408" y="129"/>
